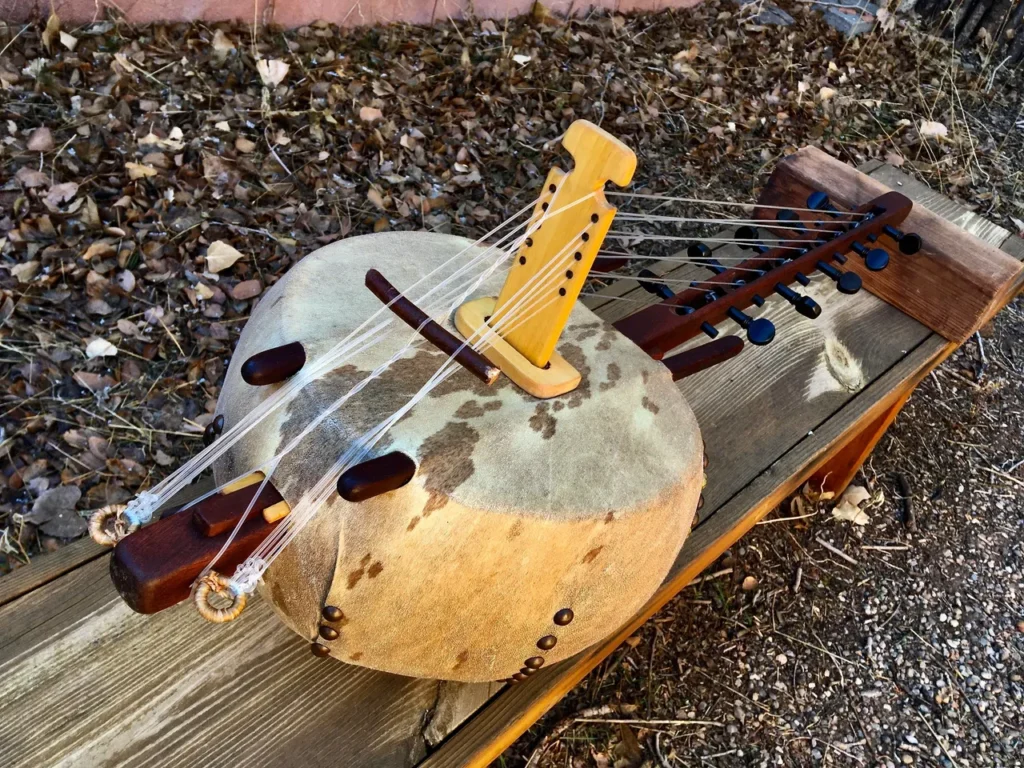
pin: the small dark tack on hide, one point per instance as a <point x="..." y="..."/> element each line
<point x="321" y="650"/>
<point x="332" y="613"/>
<point x="564" y="616"/>
<point x="328" y="633"/>
<point x="547" y="642"/>
<point x="535" y="662"/>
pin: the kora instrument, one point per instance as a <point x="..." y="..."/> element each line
<point x="451" y="468"/>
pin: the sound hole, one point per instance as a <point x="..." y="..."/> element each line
<point x="584" y="237"/>
<point x="551" y="188"/>
<point x="522" y="259"/>
<point x="568" y="274"/>
<point x="594" y="217"/>
<point x="578" y="256"/>
<point x="561" y="291"/>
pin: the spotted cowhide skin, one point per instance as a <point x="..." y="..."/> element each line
<point x="519" y="508"/>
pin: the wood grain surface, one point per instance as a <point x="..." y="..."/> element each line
<point x="84" y="682"/>
<point x="953" y="285"/>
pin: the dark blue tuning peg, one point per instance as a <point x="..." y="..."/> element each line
<point x="805" y="305"/>
<point x="846" y="282"/>
<point x="659" y="289"/>
<point x="875" y="259"/>
<point x="759" y="331"/>
<point x="749" y="234"/>
<point x="707" y="328"/>
<point x="909" y="242"/>
<point x="819" y="201"/>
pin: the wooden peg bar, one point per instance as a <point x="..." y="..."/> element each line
<point x="703" y="357"/>
<point x="416" y="318"/>
<point x="274" y="365"/>
<point x="154" y="568"/>
<point x="376" y="476"/>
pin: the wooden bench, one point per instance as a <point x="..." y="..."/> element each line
<point x="84" y="681"/>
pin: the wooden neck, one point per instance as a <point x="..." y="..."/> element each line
<point x="550" y="268"/>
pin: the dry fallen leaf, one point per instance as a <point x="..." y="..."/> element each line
<point x="140" y="171"/>
<point x="220" y="256"/>
<point x="52" y="32"/>
<point x="26" y="271"/>
<point x="929" y="129"/>
<point x="41" y="140"/>
<point x="30" y="178"/>
<point x="244" y="145"/>
<point x="272" y="71"/>
<point x="848" y="507"/>
<point x="826" y="93"/>
<point x="222" y="44"/>
<point x="369" y="114"/>
<point x="100" y="348"/>
<point x="61" y="193"/>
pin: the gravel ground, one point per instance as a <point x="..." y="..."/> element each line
<point x="907" y="649"/>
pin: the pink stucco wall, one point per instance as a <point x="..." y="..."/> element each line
<point x="293" y="13"/>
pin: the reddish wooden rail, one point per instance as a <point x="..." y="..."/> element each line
<point x="658" y="331"/>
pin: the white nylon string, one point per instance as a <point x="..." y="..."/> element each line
<point x="724" y="203"/>
<point x="272" y="463"/>
<point x="249" y="572"/>
<point x="141" y="508"/>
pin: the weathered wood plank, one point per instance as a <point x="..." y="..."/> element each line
<point x="45" y="568"/>
<point x="498" y="724"/>
<point x="954" y="285"/>
<point x="493" y="729"/>
<point x="88" y="682"/>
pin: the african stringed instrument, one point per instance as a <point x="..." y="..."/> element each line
<point x="451" y="468"/>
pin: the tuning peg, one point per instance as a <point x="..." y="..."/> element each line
<point x="660" y="290"/>
<point x="274" y="365"/>
<point x="875" y="259"/>
<point x="908" y="242"/>
<point x="819" y="201"/>
<point x="750" y="234"/>
<point x="759" y="331"/>
<point x="792" y="218"/>
<point x="793" y="221"/>
<point x="805" y="305"/>
<point x="847" y="282"/>
<point x="699" y="252"/>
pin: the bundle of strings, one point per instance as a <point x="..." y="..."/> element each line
<point x="438" y="301"/>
